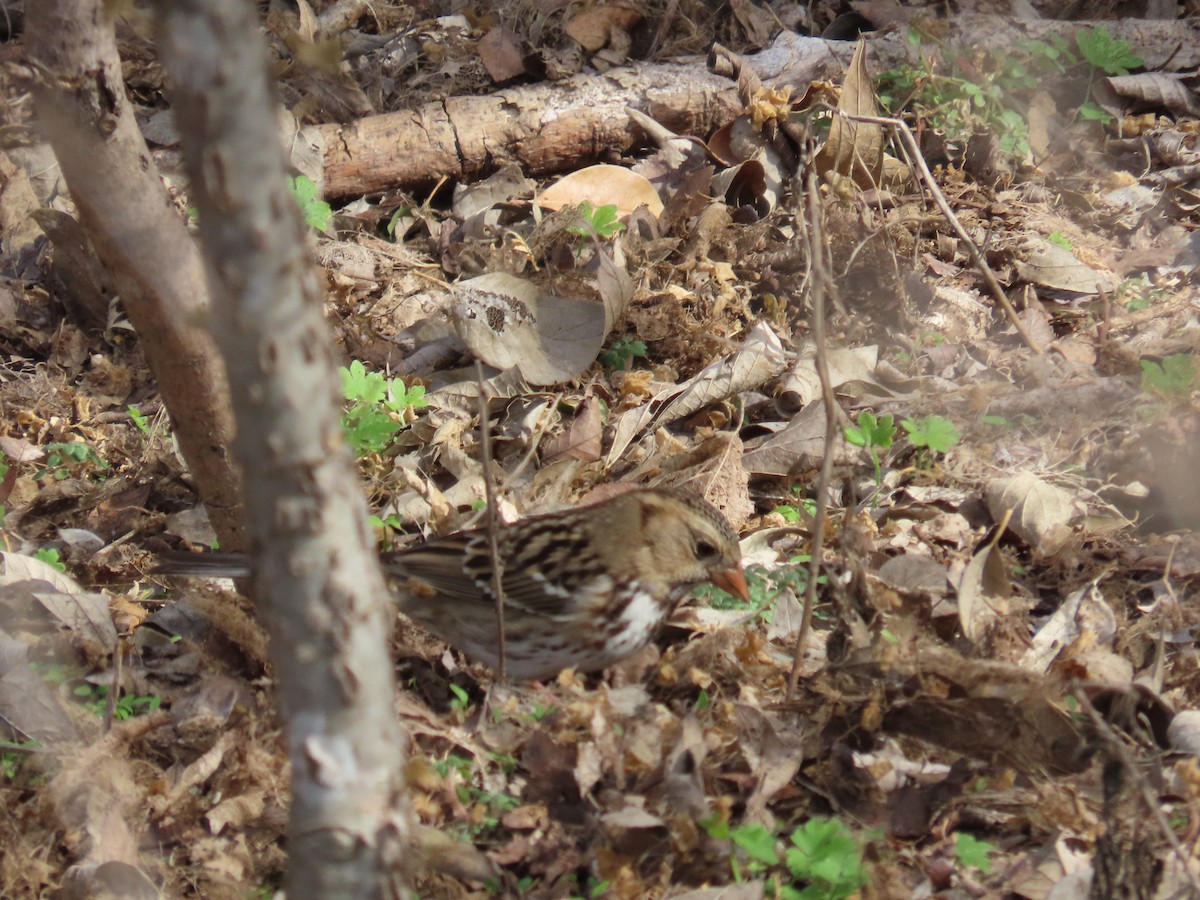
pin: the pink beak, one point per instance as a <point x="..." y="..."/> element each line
<point x="733" y="581"/>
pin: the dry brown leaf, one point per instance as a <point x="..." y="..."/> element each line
<point x="603" y="185"/>
<point x="1085" y="611"/>
<point x="581" y="440"/>
<point x="500" y="52"/>
<point x="1041" y="512"/>
<point x="983" y="590"/>
<point x="1056" y="267"/>
<point x="28" y="704"/>
<point x="847" y="366"/>
<point x="507" y="321"/>
<point x="855" y="149"/>
<point x="236" y="811"/>
<point x="1159" y="90"/>
<point x="915" y="574"/>
<point x="1184" y="731"/>
<point x="593" y="26"/>
<point x="759" y="359"/>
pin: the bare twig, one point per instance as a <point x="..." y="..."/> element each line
<point x="493" y="522"/>
<point x="114" y="687"/>
<point x="1121" y="754"/>
<point x="917" y="161"/>
<point x="811" y="223"/>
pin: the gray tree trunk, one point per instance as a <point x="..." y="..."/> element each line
<point x="317" y="579"/>
<point x="141" y="239"/>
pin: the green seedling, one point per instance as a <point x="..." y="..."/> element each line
<point x="140" y="419"/>
<point x="1138" y="293"/>
<point x="61" y="456"/>
<point x="1059" y="239"/>
<point x="50" y="557"/>
<point x="493" y="803"/>
<point x="764" y="586"/>
<point x="595" y="889"/>
<point x="957" y="107"/>
<point x="399" y="222"/>
<point x="1110" y="55"/>
<point x="825" y="854"/>
<point x="507" y="763"/>
<point x="94" y="698"/>
<point x="930" y="435"/>
<point x="1107" y="55"/>
<point x="462" y="700"/>
<point x="971" y="852"/>
<point x="453" y="763"/>
<point x="600" y="221"/>
<point x="823" y="861"/>
<point x="317" y="213"/>
<point x="873" y="434"/>
<point x="985" y="92"/>
<point x="12" y="754"/>
<point x="796" y="511"/>
<point x="54" y="673"/>
<point x="621" y="353"/>
<point x="540" y="712"/>
<point x="378" y="408"/>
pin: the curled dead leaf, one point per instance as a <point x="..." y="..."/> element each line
<point x="1041" y="512"/>
<point x="507" y="321"/>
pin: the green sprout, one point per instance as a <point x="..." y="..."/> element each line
<point x="377" y="408"/>
<point x="317" y="213"/>
<point x="931" y="435"/>
<point x="621" y="353"/>
<point x="596" y="220"/>
<point x="50" y="557"/>
<point x="873" y="434"/>
<point x="140" y="419"/>
<point x="972" y="852"/>
<point x="823" y="861"/>
<point x="62" y="455"/>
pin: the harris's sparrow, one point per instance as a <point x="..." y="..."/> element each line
<point x="585" y="587"/>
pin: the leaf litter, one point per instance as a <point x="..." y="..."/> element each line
<point x="965" y="680"/>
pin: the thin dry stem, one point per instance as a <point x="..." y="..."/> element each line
<point x="917" y="161"/>
<point x="493" y="524"/>
<point x="1120" y="752"/>
<point x="811" y="224"/>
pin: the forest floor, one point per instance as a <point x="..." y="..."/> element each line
<point x="997" y="696"/>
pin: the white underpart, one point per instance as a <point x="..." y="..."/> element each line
<point x="639" y="620"/>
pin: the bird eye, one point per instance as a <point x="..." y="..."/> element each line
<point x="705" y="550"/>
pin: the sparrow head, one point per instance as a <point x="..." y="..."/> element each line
<point x="671" y="540"/>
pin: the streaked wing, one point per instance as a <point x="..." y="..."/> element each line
<point x="459" y="567"/>
<point x="438" y="563"/>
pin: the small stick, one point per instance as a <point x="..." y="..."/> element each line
<point x="810" y="222"/>
<point x="493" y="525"/>
<point x="1120" y="753"/>
<point x="918" y="162"/>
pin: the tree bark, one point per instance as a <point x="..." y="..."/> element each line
<point x="316" y="575"/>
<point x="142" y="241"/>
<point x="560" y="126"/>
